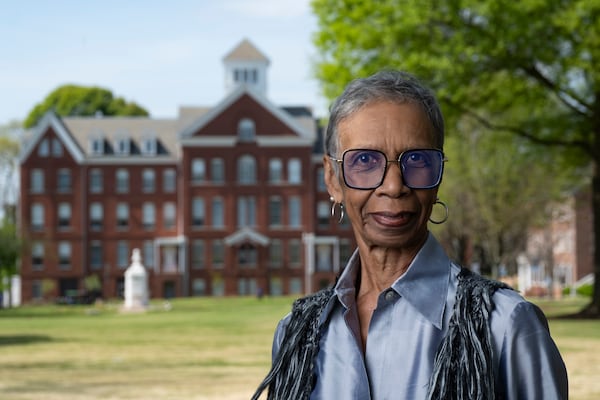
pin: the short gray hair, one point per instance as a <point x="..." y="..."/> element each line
<point x="389" y="85"/>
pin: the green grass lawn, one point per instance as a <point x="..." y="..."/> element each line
<point x="201" y="348"/>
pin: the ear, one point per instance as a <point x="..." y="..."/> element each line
<point x="333" y="180"/>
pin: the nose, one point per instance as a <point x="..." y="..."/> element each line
<point x="393" y="183"/>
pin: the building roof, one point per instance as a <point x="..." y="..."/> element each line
<point x="245" y="51"/>
<point x="136" y="129"/>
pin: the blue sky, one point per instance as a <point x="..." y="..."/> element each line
<point x="160" y="54"/>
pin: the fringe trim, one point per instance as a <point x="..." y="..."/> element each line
<point x="463" y="368"/>
<point x="291" y="375"/>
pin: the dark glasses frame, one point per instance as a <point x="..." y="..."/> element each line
<point x="402" y="155"/>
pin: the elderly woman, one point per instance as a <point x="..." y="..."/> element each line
<point x="403" y="321"/>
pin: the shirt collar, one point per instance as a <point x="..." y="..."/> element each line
<point x="424" y="284"/>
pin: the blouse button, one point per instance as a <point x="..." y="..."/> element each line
<point x="390" y="295"/>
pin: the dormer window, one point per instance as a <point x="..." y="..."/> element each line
<point x="97" y="146"/>
<point x="246" y="130"/>
<point x="122" y="146"/>
<point x="122" y="143"/>
<point x="149" y="146"/>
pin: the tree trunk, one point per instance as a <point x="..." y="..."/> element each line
<point x="592" y="310"/>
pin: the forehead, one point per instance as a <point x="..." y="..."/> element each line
<point x="386" y="126"/>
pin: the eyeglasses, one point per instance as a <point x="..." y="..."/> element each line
<point x="365" y="169"/>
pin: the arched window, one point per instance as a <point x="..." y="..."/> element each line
<point x="246" y="168"/>
<point x="246" y="130"/>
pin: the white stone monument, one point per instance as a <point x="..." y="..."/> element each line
<point x="136" y="284"/>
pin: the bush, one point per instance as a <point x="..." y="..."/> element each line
<point x="584" y="290"/>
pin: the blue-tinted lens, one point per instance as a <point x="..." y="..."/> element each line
<point x="363" y="169"/>
<point x="422" y="169"/>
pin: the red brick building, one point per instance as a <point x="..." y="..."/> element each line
<point x="226" y="200"/>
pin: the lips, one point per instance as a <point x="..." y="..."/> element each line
<point x="393" y="219"/>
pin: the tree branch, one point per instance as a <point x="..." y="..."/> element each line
<point x="583" y="145"/>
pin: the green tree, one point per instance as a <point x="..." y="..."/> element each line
<point x="497" y="187"/>
<point x="73" y="100"/>
<point x="526" y="67"/>
<point x="9" y="153"/>
<point x="10" y="248"/>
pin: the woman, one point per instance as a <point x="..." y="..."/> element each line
<point x="403" y="321"/>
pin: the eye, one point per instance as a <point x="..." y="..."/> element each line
<point x="417" y="159"/>
<point x="363" y="160"/>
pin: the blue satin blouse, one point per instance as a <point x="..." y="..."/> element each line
<point x="405" y="332"/>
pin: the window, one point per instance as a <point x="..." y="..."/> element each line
<point x="323" y="213"/>
<point x="63" y="183"/>
<point x="217" y="170"/>
<point x="96" y="261"/>
<point x="294" y="170"/>
<point x="37" y="291"/>
<point x="198" y="287"/>
<point x="321" y="187"/>
<point x="64" y="215"/>
<point x="276" y="253"/>
<point x="218" y="253"/>
<point x="97" y="146"/>
<point x="247" y="255"/>
<point x="275" y="286"/>
<point x="148" y="253"/>
<point x="96" y="216"/>
<point x="37" y="180"/>
<point x="246" y="208"/>
<point x="148" y="181"/>
<point x="275" y="170"/>
<point x="275" y="211"/>
<point x="122" y="146"/>
<point x="169" y="215"/>
<point x="149" y="146"/>
<point x="295" y="286"/>
<point x="324" y="258"/>
<point x="122" y="254"/>
<point x="246" y="130"/>
<point x="37" y="256"/>
<point x="295" y="216"/>
<point x="218" y="286"/>
<point x="169" y="180"/>
<point x="198" y="254"/>
<point x="198" y="170"/>
<point x="64" y="255"/>
<point x="245" y="75"/>
<point x="122" y="215"/>
<point x="148" y="215"/>
<point x="43" y="148"/>
<point x="246" y="169"/>
<point x="96" y="181"/>
<point x="294" y="252"/>
<point x="198" y="213"/>
<point x="247" y="286"/>
<point x="218" y="218"/>
<point x="37" y="217"/>
<point x="122" y="176"/>
<point x="57" y="148"/>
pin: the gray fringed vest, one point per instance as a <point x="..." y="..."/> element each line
<point x="463" y="367"/>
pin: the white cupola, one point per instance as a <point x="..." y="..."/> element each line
<point x="246" y="66"/>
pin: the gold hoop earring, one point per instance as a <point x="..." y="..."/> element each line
<point x="333" y="206"/>
<point x="437" y="201"/>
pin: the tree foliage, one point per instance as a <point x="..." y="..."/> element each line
<point x="73" y="100"/>
<point x="528" y="67"/>
<point x="10" y="248"/>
